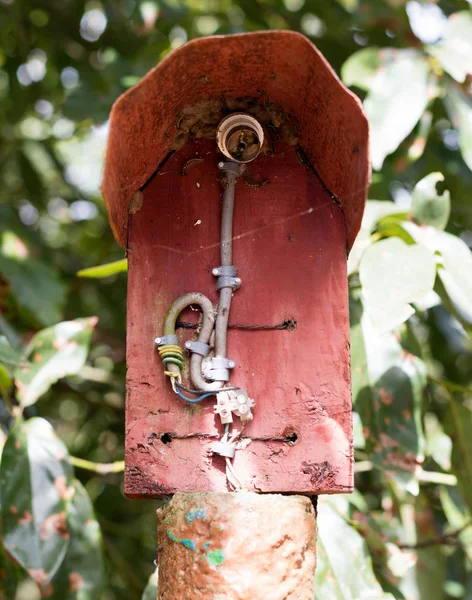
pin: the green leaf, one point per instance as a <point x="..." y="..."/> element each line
<point x="394" y="274"/>
<point x="456" y="271"/>
<point x="118" y="266"/>
<point x="10" y="356"/>
<point x="454" y="51"/>
<point x="389" y="562"/>
<point x="454" y="266"/>
<point x="389" y="402"/>
<point x="459" y="108"/>
<point x="85" y="102"/>
<point x="342" y="574"/>
<point x="418" y="144"/>
<point x="150" y="593"/>
<point x="458" y="425"/>
<point x="35" y="486"/>
<point x="81" y="576"/>
<point x="396" y="100"/>
<point x="55" y="352"/>
<point x="438" y="444"/>
<point x="10" y="575"/>
<point x="31" y="179"/>
<point x="428" y="206"/>
<point x="374" y="211"/>
<point x="458" y="517"/>
<point x="426" y="579"/>
<point x="361" y="67"/>
<point x="35" y="286"/>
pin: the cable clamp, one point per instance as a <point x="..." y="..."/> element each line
<point x="198" y="348"/>
<point x="218" y="368"/>
<point x="167" y="340"/>
<point x="227" y="271"/>
<point x="232" y="166"/>
<point x="228" y="282"/>
<point x="226" y="277"/>
<point x="223" y="449"/>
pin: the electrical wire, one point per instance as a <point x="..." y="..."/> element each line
<point x="193" y="400"/>
<point x="190" y="391"/>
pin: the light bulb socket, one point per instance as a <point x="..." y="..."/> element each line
<point x="240" y="137"/>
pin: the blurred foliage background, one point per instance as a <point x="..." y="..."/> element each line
<point x="67" y="530"/>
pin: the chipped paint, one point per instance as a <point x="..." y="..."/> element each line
<point x="185" y="541"/>
<point x="195" y="514"/>
<point x="215" y="557"/>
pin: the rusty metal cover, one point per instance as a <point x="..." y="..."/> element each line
<point x="282" y="67"/>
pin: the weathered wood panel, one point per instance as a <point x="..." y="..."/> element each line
<point x="276" y="66"/>
<point x="290" y="248"/>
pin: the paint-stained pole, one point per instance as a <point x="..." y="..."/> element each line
<point x="241" y="546"/>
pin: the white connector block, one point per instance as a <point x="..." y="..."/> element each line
<point x="234" y="402"/>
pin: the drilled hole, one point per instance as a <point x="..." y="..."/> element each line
<point x="292" y="438"/>
<point x="166" y="438"/>
<point x="291" y="324"/>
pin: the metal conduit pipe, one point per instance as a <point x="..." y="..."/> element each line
<point x="226" y="253"/>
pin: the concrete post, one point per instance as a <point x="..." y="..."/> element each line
<point x="236" y="546"/>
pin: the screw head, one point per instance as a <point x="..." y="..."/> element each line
<point x="221" y="165"/>
<point x="238" y="280"/>
<point x="157" y="340"/>
<point x="188" y="344"/>
<point x="216" y="272"/>
<point x="231" y="364"/>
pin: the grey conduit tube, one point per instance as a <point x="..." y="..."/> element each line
<point x="226" y="252"/>
<point x="206" y="329"/>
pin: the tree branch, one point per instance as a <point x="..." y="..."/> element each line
<point x="448" y="539"/>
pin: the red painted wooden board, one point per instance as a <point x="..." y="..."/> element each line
<point x="290" y="249"/>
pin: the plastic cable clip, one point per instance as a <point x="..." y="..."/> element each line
<point x="167" y="340"/>
<point x="218" y="369"/>
<point x="226" y="277"/>
<point x="198" y="347"/>
<point x="223" y="449"/>
<point x="230" y="165"/>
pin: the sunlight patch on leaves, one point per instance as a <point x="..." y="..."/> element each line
<point x="345" y="575"/>
<point x="373" y="212"/>
<point x="454" y="51"/>
<point x="393" y="275"/>
<point x="398" y="92"/>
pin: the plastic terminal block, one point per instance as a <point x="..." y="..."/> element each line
<point x="234" y="402"/>
<point x="223" y="449"/>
